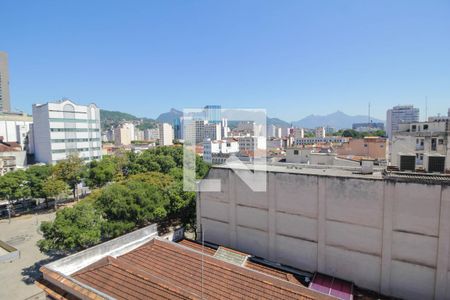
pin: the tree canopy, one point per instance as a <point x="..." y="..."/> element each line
<point x="130" y="191"/>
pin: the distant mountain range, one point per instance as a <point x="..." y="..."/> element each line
<point x="338" y="120"/>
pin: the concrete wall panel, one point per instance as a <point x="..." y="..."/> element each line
<point x="252" y="217"/>
<point x="404" y="274"/>
<point x="215" y="210"/>
<point x="252" y="241"/>
<point x="355" y="201"/>
<point x="349" y="236"/>
<point x="296" y="252"/>
<point x="296" y="194"/>
<point x="216" y="232"/>
<point x="363" y="269"/>
<point x="296" y="226"/>
<point x="416" y="208"/>
<point x="414" y="248"/>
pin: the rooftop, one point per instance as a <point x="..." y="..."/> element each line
<point x="379" y="173"/>
<point x="161" y="269"/>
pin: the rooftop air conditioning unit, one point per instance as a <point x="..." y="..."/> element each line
<point x="407" y="162"/>
<point x="434" y="163"/>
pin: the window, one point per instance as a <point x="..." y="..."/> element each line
<point x="295" y="152"/>
<point x="441" y="142"/>
<point x="425" y="127"/>
<point x="413" y="128"/>
<point x="365" y="145"/>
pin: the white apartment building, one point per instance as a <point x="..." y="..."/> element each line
<point x="124" y="134"/>
<point x="15" y="127"/>
<point x="62" y="128"/>
<point x="422" y="139"/>
<point x="252" y="143"/>
<point x="398" y="115"/>
<point x="315" y="140"/>
<point x="165" y="134"/>
<point x="320" y="132"/>
<point x="299" y="133"/>
<point x="151" y="134"/>
<point x="138" y="135"/>
<point x="216" y="152"/>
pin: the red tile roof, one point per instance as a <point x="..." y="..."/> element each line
<point x="248" y="264"/>
<point x="165" y="270"/>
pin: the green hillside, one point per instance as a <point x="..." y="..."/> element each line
<point x="113" y="118"/>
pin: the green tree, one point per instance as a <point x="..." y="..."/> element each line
<point x="74" y="228"/>
<point x="14" y="186"/>
<point x="54" y="188"/>
<point x="70" y="171"/>
<point x="131" y="204"/>
<point x="102" y="172"/>
<point x="37" y="174"/>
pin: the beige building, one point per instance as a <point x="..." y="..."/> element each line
<point x="4" y="83"/>
<point x="373" y="147"/>
<point x="123" y="134"/>
<point x="388" y="233"/>
<point x="165" y="134"/>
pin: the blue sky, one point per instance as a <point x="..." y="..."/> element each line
<point x="293" y="58"/>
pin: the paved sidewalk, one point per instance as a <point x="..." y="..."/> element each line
<point x="17" y="277"/>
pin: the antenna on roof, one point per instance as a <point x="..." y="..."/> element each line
<point x="426" y="108"/>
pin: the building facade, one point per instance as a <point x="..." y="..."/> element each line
<point x="15" y="127"/>
<point x="320" y="132"/>
<point x="252" y="143"/>
<point x="386" y="233"/>
<point x="367" y="127"/>
<point x="124" y="134"/>
<point x="4" y="83"/>
<point x="151" y="134"/>
<point x="216" y="152"/>
<point x="165" y="134"/>
<point x="398" y="115"/>
<point x="373" y="147"/>
<point x="315" y="140"/>
<point x="62" y="128"/>
<point x="422" y="139"/>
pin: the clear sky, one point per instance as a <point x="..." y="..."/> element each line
<point x="293" y="58"/>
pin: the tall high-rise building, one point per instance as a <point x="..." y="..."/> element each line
<point x="62" y="128"/>
<point x="4" y="83"/>
<point x="398" y="115"/>
<point x="213" y="113"/>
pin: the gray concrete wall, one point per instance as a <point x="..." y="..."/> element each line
<point x="387" y="236"/>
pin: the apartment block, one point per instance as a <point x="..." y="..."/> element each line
<point x="165" y="134"/>
<point x="62" y="128"/>
<point x="423" y="140"/>
<point x="398" y="115"/>
<point x="217" y="152"/>
<point x="15" y="127"/>
<point x="124" y="134"/>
